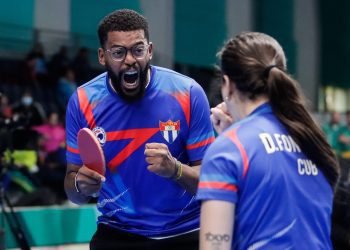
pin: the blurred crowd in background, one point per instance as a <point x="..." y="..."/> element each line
<point x="34" y="95"/>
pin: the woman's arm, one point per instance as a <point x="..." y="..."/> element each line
<point x="216" y="225"/>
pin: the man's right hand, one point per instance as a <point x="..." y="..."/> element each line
<point x="81" y="183"/>
<point x="88" y="181"/>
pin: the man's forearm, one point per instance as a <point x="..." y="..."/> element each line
<point x="189" y="178"/>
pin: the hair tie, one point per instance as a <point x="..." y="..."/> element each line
<point x="267" y="70"/>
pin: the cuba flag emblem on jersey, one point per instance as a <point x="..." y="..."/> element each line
<point x="170" y="130"/>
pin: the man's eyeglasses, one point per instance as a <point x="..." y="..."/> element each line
<point x="119" y="53"/>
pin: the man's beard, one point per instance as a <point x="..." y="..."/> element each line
<point x="138" y="93"/>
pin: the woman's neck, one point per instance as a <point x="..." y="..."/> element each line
<point x="248" y="106"/>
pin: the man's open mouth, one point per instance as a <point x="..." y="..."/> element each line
<point x="130" y="79"/>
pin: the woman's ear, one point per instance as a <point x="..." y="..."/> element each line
<point x="228" y="85"/>
<point x="225" y="80"/>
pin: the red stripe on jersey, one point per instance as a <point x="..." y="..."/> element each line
<point x="86" y="108"/>
<point x="184" y="100"/>
<point x="73" y="150"/>
<point x="139" y="136"/>
<point x="217" y="185"/>
<point x="232" y="135"/>
<point x="201" y="143"/>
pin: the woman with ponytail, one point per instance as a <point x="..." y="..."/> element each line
<point x="267" y="182"/>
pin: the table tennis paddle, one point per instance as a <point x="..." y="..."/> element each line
<point x="91" y="152"/>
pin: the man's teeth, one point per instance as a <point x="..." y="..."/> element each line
<point x="130" y="83"/>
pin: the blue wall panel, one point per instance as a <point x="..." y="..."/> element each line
<point x="200" y="30"/>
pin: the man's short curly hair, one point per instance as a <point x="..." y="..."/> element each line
<point x="121" y="20"/>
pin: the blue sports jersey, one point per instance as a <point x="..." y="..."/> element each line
<point x="283" y="201"/>
<point x="174" y="111"/>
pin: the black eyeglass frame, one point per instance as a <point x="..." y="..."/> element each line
<point x="126" y="50"/>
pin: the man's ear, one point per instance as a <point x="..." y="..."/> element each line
<point x="101" y="56"/>
<point x="150" y="50"/>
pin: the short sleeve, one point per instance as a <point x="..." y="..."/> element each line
<point x="73" y="115"/>
<point x="221" y="172"/>
<point x="201" y="133"/>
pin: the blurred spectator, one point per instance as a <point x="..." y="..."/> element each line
<point x="59" y="61"/>
<point x="65" y="87"/>
<point x="52" y="159"/>
<point x="22" y="158"/>
<point x="331" y="129"/>
<point x="344" y="137"/>
<point x="81" y="66"/>
<point x="21" y="179"/>
<point x="5" y="121"/>
<point x="52" y="135"/>
<point x="20" y="161"/>
<point x="37" y="64"/>
<point x="6" y="109"/>
<point x="28" y="112"/>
